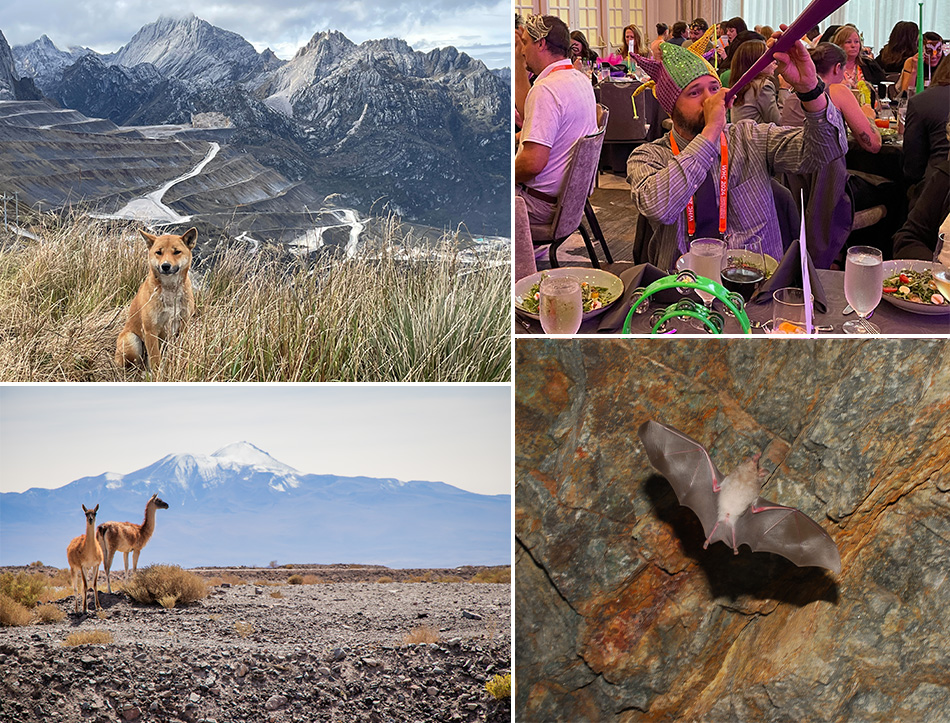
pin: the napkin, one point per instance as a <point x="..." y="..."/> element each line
<point x="789" y="273"/>
<point x="611" y="321"/>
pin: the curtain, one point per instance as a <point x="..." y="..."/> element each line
<point x="874" y="18"/>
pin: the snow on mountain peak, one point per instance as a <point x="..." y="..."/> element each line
<point x="246" y="454"/>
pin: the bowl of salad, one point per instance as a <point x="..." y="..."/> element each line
<point x="909" y="285"/>
<point x="599" y="289"/>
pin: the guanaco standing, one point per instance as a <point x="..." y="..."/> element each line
<point x="128" y="537"/>
<point x="84" y="552"/>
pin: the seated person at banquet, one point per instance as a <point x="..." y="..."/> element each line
<point x="925" y="140"/>
<point x="631" y="34"/>
<point x="917" y="238"/>
<point x="696" y="30"/>
<point x="901" y="44"/>
<point x="933" y="54"/>
<point x="674" y="181"/>
<point x="858" y="66"/>
<point x="829" y="61"/>
<point x="758" y="101"/>
<point x="559" y="109"/>
<point x="580" y="50"/>
<point x="725" y="66"/>
<point x="678" y="33"/>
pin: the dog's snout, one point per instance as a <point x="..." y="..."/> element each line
<point x="167" y="268"/>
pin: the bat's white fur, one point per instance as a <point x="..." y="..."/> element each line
<point x="740" y="489"/>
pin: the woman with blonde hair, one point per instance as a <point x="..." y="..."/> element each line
<point x="858" y="66"/>
<point x="759" y="100"/>
<point x="631" y="33"/>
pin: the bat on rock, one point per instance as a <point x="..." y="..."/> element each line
<point x="729" y="506"/>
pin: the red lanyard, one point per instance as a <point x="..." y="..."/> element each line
<point x="723" y="187"/>
<point x="562" y="67"/>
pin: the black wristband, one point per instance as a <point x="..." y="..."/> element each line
<point x="813" y="93"/>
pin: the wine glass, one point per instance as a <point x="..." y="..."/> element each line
<point x="560" y="305"/>
<point x="704" y="258"/>
<point x="743" y="267"/>
<point x="863" y="285"/>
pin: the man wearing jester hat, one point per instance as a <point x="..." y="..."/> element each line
<point x="708" y="178"/>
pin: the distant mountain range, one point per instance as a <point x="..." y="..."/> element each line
<point x="425" y="135"/>
<point x="240" y="506"/>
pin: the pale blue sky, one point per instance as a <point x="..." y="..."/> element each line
<point x="481" y="28"/>
<point x="51" y="435"/>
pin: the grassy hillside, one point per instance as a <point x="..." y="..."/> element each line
<point x="63" y="301"/>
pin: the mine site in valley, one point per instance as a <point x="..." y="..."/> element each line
<point x="280" y="643"/>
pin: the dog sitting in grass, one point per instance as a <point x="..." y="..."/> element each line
<point x="164" y="302"/>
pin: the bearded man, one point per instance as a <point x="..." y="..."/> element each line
<point x="707" y="178"/>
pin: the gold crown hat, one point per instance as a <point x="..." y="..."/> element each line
<point x="676" y="68"/>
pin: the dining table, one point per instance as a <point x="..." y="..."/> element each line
<point x="891" y="320"/>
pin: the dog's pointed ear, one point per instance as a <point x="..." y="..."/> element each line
<point x="149" y="238"/>
<point x="190" y="237"/>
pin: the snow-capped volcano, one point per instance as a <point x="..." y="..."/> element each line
<point x="246" y="454"/>
<point x="240" y="506"/>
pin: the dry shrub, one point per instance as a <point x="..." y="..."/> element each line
<point x="277" y="593"/>
<point x="166" y="585"/>
<point x="13" y="613"/>
<point x="89" y="637"/>
<point x="25" y="588"/>
<point x="56" y="593"/>
<point x="385" y="579"/>
<point x="500" y="686"/>
<point x="421" y="634"/>
<point x="243" y="629"/>
<point x="48" y="614"/>
<point x="420" y="578"/>
<point x="62" y="578"/>
<point x="312" y="580"/>
<point x="295" y="580"/>
<point x="450" y="578"/>
<point x="493" y="575"/>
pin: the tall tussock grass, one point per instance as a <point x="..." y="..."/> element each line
<point x="260" y="316"/>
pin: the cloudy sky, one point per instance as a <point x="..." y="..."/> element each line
<point x="481" y="28"/>
<point x="461" y="435"/>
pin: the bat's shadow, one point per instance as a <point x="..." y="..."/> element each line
<point x="761" y="575"/>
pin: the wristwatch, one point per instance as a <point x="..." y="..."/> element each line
<point x="813" y="93"/>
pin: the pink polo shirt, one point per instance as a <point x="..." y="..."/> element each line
<point x="559" y="109"/>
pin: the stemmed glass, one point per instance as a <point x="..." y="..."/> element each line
<point x="705" y="255"/>
<point x="743" y="267"/>
<point x="560" y="305"/>
<point x="863" y="285"/>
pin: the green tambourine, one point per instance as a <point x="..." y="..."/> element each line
<point x="682" y="281"/>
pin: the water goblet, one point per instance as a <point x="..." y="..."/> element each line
<point x="560" y="305"/>
<point x="863" y="285"/>
<point x="705" y="255"/>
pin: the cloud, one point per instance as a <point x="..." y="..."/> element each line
<point x="282" y="25"/>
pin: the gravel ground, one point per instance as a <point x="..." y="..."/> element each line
<point x="275" y="652"/>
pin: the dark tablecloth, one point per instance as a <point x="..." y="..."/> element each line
<point x="891" y="320"/>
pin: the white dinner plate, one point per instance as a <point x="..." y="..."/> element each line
<point x="895" y="266"/>
<point x="594" y="277"/>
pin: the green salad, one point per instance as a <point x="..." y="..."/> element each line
<point x="916" y="286"/>
<point x="594" y="297"/>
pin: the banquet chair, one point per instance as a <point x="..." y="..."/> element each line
<point x="624" y="131"/>
<point x="573" y="202"/>
<point x="524" y="250"/>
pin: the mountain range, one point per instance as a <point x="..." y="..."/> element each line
<point x="240" y="506"/>
<point x="424" y="135"/>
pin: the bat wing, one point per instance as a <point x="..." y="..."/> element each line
<point x="688" y="468"/>
<point x="788" y="532"/>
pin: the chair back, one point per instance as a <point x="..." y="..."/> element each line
<point x="525" y="262"/>
<point x="618" y="98"/>
<point x="578" y="184"/>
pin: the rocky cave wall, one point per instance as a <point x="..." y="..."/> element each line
<point x="620" y="612"/>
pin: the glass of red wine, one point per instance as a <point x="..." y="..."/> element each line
<point x="743" y="267"/>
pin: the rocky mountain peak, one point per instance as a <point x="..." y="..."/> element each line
<point x="192" y="49"/>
